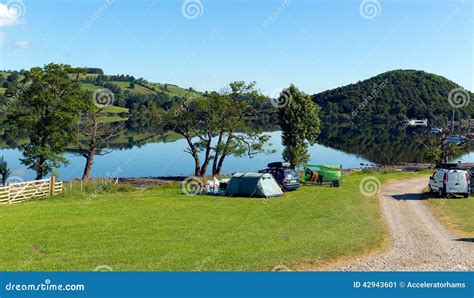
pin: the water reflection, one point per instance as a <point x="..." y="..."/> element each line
<point x="384" y="144"/>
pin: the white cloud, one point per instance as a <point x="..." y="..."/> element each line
<point x="10" y="15"/>
<point x="22" y="44"/>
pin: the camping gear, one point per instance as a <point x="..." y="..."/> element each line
<point x="284" y="174"/>
<point x="253" y="185"/>
<point x="323" y="174"/>
<point x="212" y="187"/>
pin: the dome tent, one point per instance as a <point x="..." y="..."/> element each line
<point x="253" y="185"/>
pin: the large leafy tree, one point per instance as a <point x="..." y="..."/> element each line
<point x="48" y="109"/>
<point x="218" y="125"/>
<point x="300" y="124"/>
<point x="236" y="132"/>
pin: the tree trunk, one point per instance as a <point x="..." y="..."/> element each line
<point x="89" y="161"/>
<point x="216" y="154"/>
<point x="225" y="151"/>
<point x="40" y="169"/>
<point x="206" y="156"/>
<point x="195" y="155"/>
<point x="92" y="148"/>
<point x="221" y="162"/>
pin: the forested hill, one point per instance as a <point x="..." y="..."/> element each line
<point x="394" y="96"/>
<point x="137" y="95"/>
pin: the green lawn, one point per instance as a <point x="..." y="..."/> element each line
<point x="162" y="229"/>
<point x="457" y="214"/>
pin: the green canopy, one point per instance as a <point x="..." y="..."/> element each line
<point x="253" y="185"/>
<point x="328" y="172"/>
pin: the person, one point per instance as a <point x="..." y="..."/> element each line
<point x="313" y="175"/>
<point x="320" y="179"/>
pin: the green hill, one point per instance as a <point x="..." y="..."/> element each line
<point x="93" y="81"/>
<point x="135" y="99"/>
<point x="393" y="96"/>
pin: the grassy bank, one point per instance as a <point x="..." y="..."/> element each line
<point x="456" y="214"/>
<point x="162" y="229"/>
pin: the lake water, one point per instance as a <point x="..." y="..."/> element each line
<point x="345" y="145"/>
<point x="169" y="159"/>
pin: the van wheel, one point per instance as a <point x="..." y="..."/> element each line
<point x="441" y="193"/>
<point x="449" y="195"/>
<point x="335" y="183"/>
<point x="466" y="195"/>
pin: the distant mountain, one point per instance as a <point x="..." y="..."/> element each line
<point x="394" y="96"/>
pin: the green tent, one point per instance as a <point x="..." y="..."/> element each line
<point x="253" y="185"/>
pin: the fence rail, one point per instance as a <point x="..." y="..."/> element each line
<point x="19" y="192"/>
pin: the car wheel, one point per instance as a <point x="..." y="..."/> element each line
<point x="335" y="183"/>
<point x="466" y="195"/>
<point x="449" y="195"/>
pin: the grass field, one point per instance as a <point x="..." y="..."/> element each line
<point x="162" y="229"/>
<point x="457" y="214"/>
<point x="115" y="109"/>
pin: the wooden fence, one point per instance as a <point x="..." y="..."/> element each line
<point x="19" y="192"/>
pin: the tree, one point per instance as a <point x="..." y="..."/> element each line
<point x="183" y="119"/>
<point x="218" y="125"/>
<point x="4" y="170"/>
<point x="299" y="122"/>
<point x="48" y="108"/>
<point x="236" y="133"/>
<point x="94" y="133"/>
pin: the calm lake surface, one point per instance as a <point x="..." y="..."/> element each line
<point x="169" y="159"/>
<point x="348" y="146"/>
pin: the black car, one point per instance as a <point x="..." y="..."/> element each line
<point x="284" y="175"/>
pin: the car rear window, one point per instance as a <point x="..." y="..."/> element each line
<point x="291" y="172"/>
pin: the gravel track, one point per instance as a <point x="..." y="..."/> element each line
<point x="419" y="241"/>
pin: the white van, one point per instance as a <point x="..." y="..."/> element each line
<point x="449" y="182"/>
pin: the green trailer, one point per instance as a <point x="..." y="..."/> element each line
<point x="323" y="174"/>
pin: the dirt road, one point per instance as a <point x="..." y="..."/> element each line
<point x="419" y="241"/>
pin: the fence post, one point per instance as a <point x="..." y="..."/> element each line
<point x="52" y="182"/>
<point x="8" y="193"/>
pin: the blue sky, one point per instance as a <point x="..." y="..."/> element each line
<point x="316" y="45"/>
